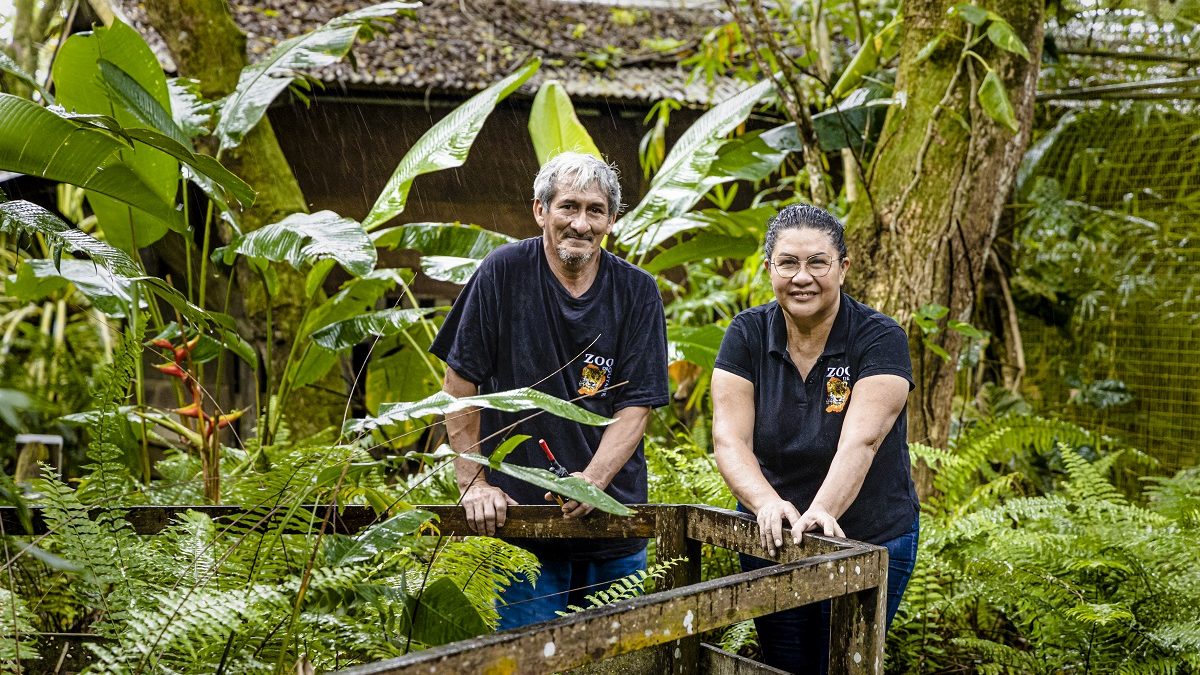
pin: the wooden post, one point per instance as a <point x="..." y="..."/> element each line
<point x="673" y="542"/>
<point x="857" y="620"/>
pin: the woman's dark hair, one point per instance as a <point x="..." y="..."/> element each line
<point x="804" y="216"/>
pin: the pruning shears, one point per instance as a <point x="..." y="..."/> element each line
<point x="555" y="468"/>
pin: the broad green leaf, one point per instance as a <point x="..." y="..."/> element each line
<point x="678" y="185"/>
<point x="388" y="535"/>
<point x="205" y="170"/>
<point x="867" y="59"/>
<point x="41" y="143"/>
<point x="444" y="146"/>
<point x="304" y="238"/>
<point x="449" y="268"/>
<point x="313" y="365"/>
<point x="554" y="127"/>
<point x="11" y="67"/>
<point x="442" y="614"/>
<point x="109" y="293"/>
<point x="737" y="223"/>
<point x="972" y="14"/>
<point x="80" y="85"/>
<point x="141" y="104"/>
<point x="571" y="487"/>
<point x="357" y="295"/>
<point x="22" y="217"/>
<point x="407" y="374"/>
<point x="754" y="156"/>
<point x="185" y="308"/>
<point x="1003" y="36"/>
<point x="843" y="125"/>
<point x="449" y="239"/>
<point x="441" y="403"/>
<point x="698" y="344"/>
<point x="506" y="448"/>
<point x="190" y="112"/>
<point x="346" y="333"/>
<point x="704" y="244"/>
<point x="929" y="48"/>
<point x="966" y="330"/>
<point x="261" y="82"/>
<point x="994" y="100"/>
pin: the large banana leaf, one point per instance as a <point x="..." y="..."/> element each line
<point x="698" y="344"/>
<point x="444" y="146"/>
<point x="304" y="238"/>
<point x="451" y="251"/>
<point x="39" y="142"/>
<point x="441" y="403"/>
<point x="345" y="334"/>
<point x="36" y="279"/>
<point x="22" y="217"/>
<point x="554" y="126"/>
<point x="704" y="244"/>
<point x="678" y="185"/>
<point x="190" y="112"/>
<point x="449" y="268"/>
<point x="261" y="82"/>
<point x="79" y="83"/>
<point x="404" y="374"/>
<point x="571" y="487"/>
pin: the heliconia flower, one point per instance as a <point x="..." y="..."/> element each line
<point x="162" y="343"/>
<point x="172" y="369"/>
<point x="184" y="350"/>
<point x="225" y="420"/>
<point x="192" y="410"/>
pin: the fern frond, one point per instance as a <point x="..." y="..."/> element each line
<point x="481" y="567"/>
<point x="737" y="637"/>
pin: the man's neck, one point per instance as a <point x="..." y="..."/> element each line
<point x="575" y="279"/>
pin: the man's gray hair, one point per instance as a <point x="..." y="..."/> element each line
<point x="578" y="171"/>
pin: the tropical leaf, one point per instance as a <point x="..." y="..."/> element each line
<point x="441" y="403"/>
<point x="390" y="534"/>
<point x="753" y="156"/>
<point x="1001" y="33"/>
<point x="698" y="344"/>
<point x="261" y="82"/>
<point x="704" y="244"/>
<point x="140" y="103"/>
<point x="304" y="238"/>
<point x="750" y="222"/>
<point x="994" y="100"/>
<point x="571" y="487"/>
<point x="449" y="239"/>
<point x="190" y="112"/>
<point x="23" y="217"/>
<point x="80" y="85"/>
<point x="554" y="126"/>
<point x="449" y="268"/>
<point x="405" y="375"/>
<point x="867" y="59"/>
<point x="677" y="186"/>
<point x="35" y="279"/>
<point x="442" y="614"/>
<point x="41" y="143"/>
<point x="346" y="333"/>
<point x="444" y="146"/>
<point x="11" y="67"/>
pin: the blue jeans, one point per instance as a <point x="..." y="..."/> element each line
<point x="797" y="640"/>
<point x="561" y="583"/>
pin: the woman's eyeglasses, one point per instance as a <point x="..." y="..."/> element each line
<point x="818" y="265"/>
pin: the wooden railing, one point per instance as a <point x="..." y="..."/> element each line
<point x="655" y="633"/>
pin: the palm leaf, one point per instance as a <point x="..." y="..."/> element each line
<point x="346" y="333"/>
<point x="22" y="217"/>
<point x="554" y="126"/>
<point x="261" y="82"/>
<point x="444" y="146"/>
<point x="41" y="143"/>
<point x="679" y="184"/>
<point x="441" y="403"/>
<point x="304" y="238"/>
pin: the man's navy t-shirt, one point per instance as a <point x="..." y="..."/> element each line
<point x="797" y="423"/>
<point x="514" y="325"/>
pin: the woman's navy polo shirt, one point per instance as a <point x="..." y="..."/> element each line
<point x="797" y="423"/>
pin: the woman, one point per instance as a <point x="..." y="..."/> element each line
<point x="809" y="422"/>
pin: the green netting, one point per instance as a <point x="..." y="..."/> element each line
<point x="1108" y="270"/>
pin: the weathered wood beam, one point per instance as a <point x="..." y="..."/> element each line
<point x="738" y="531"/>
<point x="661" y="618"/>
<point x="717" y="661"/>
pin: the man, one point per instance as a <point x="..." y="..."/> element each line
<point x="559" y="313"/>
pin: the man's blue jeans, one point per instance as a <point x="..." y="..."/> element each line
<point x="561" y="583"/>
<point x="797" y="640"/>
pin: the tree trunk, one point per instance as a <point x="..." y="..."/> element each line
<point x="207" y="45"/>
<point x="937" y="191"/>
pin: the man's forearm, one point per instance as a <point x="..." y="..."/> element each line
<point x="462" y="428"/>
<point x="617" y="445"/>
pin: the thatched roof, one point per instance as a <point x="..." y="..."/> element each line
<point x="618" y="51"/>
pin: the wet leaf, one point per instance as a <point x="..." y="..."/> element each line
<point x="304" y="238"/>
<point x="554" y="126"/>
<point x="571" y="487"/>
<point x="442" y="614"/>
<point x="346" y="333"/>
<point x="506" y="448"/>
<point x="441" y="403"/>
<point x="23" y="217"/>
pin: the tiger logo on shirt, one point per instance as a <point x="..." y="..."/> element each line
<point x="837" y="394"/>
<point x="594" y="375"/>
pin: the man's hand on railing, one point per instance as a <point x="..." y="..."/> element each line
<point x="486" y="507"/>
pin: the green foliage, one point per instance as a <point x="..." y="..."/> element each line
<point x="626" y="587"/>
<point x="554" y="127"/>
<point x="1032" y="560"/>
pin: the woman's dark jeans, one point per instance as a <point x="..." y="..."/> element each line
<point x="797" y="640"/>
